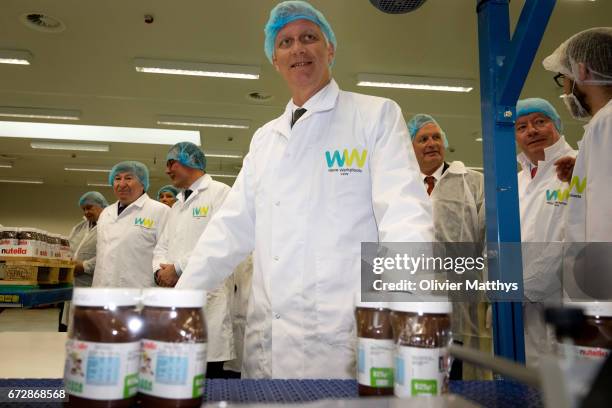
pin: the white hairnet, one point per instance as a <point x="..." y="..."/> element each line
<point x="592" y="47"/>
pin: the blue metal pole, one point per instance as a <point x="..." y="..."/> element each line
<point x="504" y="64"/>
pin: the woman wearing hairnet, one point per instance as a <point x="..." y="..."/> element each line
<point x="457" y="196"/>
<point x="167" y="195"/>
<point x="128" y="230"/>
<point x="585" y="63"/>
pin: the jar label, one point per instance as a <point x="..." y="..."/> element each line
<point x="591" y="353"/>
<point x="420" y="371"/>
<point x="172" y="369"/>
<point x="102" y="371"/>
<point x="375" y="362"/>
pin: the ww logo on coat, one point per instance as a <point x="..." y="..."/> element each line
<point x="200" y="211"/>
<point x="560" y="196"/>
<point x="346" y="162"/>
<point x="144" y="222"/>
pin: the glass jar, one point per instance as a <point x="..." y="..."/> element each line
<point x="595" y="339"/>
<point x="422" y="334"/>
<point x="375" y="348"/>
<point x="173" y="364"/>
<point x="103" y="348"/>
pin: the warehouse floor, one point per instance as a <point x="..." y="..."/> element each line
<point x="32" y="320"/>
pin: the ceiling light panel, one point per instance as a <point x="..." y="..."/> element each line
<point x="39" y="113"/>
<point x="21" y="181"/>
<point x="195" y="121"/>
<point x="17" y="57"/>
<point x="70" y="146"/>
<point x="415" y="82"/>
<point x="87" y="133"/>
<point x="153" y="66"/>
<point x="73" y="167"/>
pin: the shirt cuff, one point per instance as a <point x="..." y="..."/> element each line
<point x="178" y="270"/>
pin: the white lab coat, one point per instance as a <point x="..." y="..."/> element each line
<point x="542" y="204"/>
<point x="587" y="267"/>
<point x="459" y="213"/>
<point x="126" y="243"/>
<point x="306" y="217"/>
<point x="243" y="275"/>
<point x="187" y="220"/>
<point x="588" y="213"/>
<point x="83" y="242"/>
<point x="459" y="216"/>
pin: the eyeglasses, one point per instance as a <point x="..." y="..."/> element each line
<point x="559" y="79"/>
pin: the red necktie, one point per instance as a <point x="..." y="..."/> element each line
<point x="534" y="170"/>
<point x="431" y="181"/>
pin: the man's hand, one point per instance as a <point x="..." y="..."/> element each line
<point x="78" y="268"/>
<point x="166" y="276"/>
<point x="565" y="168"/>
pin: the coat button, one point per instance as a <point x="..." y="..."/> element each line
<point x="277" y="203"/>
<point x="276" y="258"/>
<point x="276" y="316"/>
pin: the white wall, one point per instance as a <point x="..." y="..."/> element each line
<point x="52" y="208"/>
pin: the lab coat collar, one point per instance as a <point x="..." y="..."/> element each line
<point x="553" y="152"/>
<point x="557" y="150"/>
<point x="600" y="112"/>
<point x="138" y="203"/>
<point x="322" y="101"/>
<point x="200" y="184"/>
<point x="524" y="161"/>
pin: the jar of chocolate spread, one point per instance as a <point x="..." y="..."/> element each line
<point x="375" y="348"/>
<point x="173" y="363"/>
<point x="422" y="334"/>
<point x="103" y="348"/>
<point x="595" y="339"/>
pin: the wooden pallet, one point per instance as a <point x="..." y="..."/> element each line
<point x="35" y="271"/>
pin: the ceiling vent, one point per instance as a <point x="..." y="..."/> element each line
<point x="397" y="6"/>
<point x="43" y="22"/>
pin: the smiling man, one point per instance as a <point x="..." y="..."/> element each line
<point x="331" y="172"/>
<point x="128" y="230"/>
<point x="542" y="203"/>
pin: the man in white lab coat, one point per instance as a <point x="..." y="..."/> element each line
<point x="333" y="171"/>
<point x="83" y="237"/>
<point x="83" y="245"/>
<point x="542" y="201"/>
<point x="200" y="199"/>
<point x="457" y="196"/>
<point x="584" y="63"/>
<point x="128" y="230"/>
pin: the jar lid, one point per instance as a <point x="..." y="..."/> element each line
<point x="593" y="308"/>
<point x="168" y="297"/>
<point x="439" y="307"/>
<point x="99" y="297"/>
<point x="369" y="305"/>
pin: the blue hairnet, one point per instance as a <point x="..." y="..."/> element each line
<point x="188" y="154"/>
<point x="421" y="119"/>
<point x="539" y="105"/>
<point x="289" y="11"/>
<point x="136" y="168"/>
<point x="168" y="189"/>
<point x="93" y="198"/>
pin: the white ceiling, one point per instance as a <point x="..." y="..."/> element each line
<point x="89" y="67"/>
